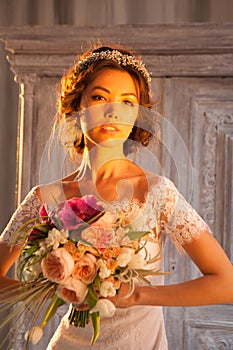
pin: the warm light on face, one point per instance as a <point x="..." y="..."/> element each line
<point x="109" y="107"/>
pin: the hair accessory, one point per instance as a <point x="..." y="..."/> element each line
<point x="116" y="56"/>
<point x="84" y="165"/>
<point x="69" y="131"/>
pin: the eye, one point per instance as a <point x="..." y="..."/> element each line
<point x="98" y="98"/>
<point x="128" y="103"/>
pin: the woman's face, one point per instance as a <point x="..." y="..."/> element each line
<point x="109" y="108"/>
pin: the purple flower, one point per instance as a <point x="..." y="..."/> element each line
<point x="75" y="211"/>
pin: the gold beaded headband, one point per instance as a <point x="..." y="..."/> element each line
<point x="116" y="56"/>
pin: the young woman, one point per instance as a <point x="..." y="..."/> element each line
<point x="105" y="93"/>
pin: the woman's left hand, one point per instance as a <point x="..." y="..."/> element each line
<point x="122" y="300"/>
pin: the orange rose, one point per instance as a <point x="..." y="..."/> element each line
<point x="115" y="251"/>
<point x="111" y="265"/>
<point x="70" y="247"/>
<point x="106" y="253"/>
<point x="116" y="283"/>
<point x="85" y="268"/>
<point x="77" y="255"/>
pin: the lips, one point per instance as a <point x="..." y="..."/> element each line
<point x="110" y="129"/>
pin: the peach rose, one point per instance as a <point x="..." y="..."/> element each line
<point x="72" y="291"/>
<point x="58" y="265"/>
<point x="85" y="268"/>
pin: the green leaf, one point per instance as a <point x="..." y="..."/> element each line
<point x="134" y="235"/>
<point x="92" y="297"/>
<point x="95" y="218"/>
<point x="55" y="303"/>
<point x="95" y="317"/>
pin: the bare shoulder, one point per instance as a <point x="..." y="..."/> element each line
<point x="57" y="191"/>
<point x="153" y="179"/>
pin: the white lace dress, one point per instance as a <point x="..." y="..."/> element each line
<point x="166" y="213"/>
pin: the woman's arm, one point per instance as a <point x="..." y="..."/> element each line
<point x="214" y="287"/>
<point x="8" y="257"/>
<point x="9" y="251"/>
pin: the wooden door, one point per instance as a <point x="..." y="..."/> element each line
<point x="201" y="109"/>
<point x="193" y="76"/>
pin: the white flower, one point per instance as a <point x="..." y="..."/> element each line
<point x="105" y="307"/>
<point x="107" y="289"/>
<point x="104" y="272"/>
<point x="32" y="271"/>
<point x="34" y="335"/>
<point x="42" y="250"/>
<point x="124" y="257"/>
<point x="69" y="131"/>
<point x="55" y="238"/>
<point x="137" y="262"/>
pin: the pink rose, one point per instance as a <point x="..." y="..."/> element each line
<point x="75" y="211"/>
<point x="72" y="291"/>
<point x="58" y="265"/>
<point x="99" y="237"/>
<point x="85" y="268"/>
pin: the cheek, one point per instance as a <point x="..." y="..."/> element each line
<point x="92" y="117"/>
<point x="95" y="116"/>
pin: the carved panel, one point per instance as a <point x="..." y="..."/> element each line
<point x="213" y="127"/>
<point x="208" y="335"/>
<point x="202" y="112"/>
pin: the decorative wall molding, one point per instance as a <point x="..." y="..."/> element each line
<point x="214" y="121"/>
<point x="206" y="335"/>
<point x="167" y="49"/>
<point x="213" y="118"/>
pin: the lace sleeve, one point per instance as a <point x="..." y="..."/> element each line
<point x="176" y="218"/>
<point x="28" y="209"/>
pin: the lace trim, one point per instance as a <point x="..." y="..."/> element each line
<point x="29" y="208"/>
<point x="164" y="212"/>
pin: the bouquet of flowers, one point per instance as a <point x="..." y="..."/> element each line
<point x="80" y="254"/>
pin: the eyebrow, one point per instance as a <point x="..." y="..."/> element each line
<point x="106" y="90"/>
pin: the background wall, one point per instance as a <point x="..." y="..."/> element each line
<point x="79" y="12"/>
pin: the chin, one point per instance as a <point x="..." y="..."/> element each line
<point x="112" y="143"/>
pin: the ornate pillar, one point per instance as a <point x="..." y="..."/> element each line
<point x="25" y="133"/>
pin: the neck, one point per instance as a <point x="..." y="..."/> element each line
<point x="105" y="162"/>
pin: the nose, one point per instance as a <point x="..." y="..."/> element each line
<point x="110" y="116"/>
<point x="111" y="112"/>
